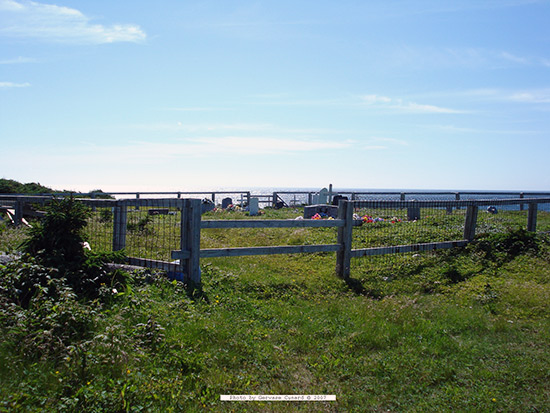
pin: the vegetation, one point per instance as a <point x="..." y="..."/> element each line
<point x="464" y="329"/>
<point x="10" y="186"/>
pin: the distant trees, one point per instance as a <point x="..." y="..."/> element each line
<point x="10" y="186"/>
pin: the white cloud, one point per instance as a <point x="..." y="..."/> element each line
<point x="384" y="102"/>
<point x="263" y="145"/>
<point x="11" y="84"/>
<point x="513" y="58"/>
<point x="161" y="153"/>
<point x="17" y="60"/>
<point x="372" y="99"/>
<point x="535" y="96"/>
<point x="50" y="22"/>
<point x="391" y="140"/>
<point x="465" y="57"/>
<point x="420" y="108"/>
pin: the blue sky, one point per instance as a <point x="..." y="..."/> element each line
<point x="182" y="95"/>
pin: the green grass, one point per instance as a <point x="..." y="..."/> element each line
<point x="459" y="330"/>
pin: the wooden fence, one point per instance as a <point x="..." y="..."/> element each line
<point x="190" y="253"/>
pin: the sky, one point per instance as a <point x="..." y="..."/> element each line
<point x="188" y="95"/>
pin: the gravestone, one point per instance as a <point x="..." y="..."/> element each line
<point x="253" y="207"/>
<point x="206" y="205"/>
<point x="324" y="210"/>
<point x="413" y="213"/>
<point x="226" y="202"/>
<point x="323" y="196"/>
<point x="338" y="198"/>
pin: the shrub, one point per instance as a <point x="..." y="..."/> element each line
<point x="54" y="251"/>
<point x="56" y="241"/>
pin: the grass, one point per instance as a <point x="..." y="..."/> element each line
<point x="463" y="330"/>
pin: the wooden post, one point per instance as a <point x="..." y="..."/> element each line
<point x="190" y="240"/>
<point x="18" y="219"/>
<point x="119" y="227"/>
<point x="137" y="204"/>
<point x="248" y="198"/>
<point x="402" y="196"/>
<point x="309" y="198"/>
<point x="532" y="217"/>
<point x="522" y="195"/>
<point x="470" y="222"/>
<point x="457" y="198"/>
<point x="343" y="256"/>
<point x="214" y="198"/>
<point x="275" y="196"/>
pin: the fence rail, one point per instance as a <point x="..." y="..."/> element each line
<point x="184" y="224"/>
<point x="293" y="198"/>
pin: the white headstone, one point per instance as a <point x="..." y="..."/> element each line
<point x="253" y="206"/>
<point x="323" y="196"/>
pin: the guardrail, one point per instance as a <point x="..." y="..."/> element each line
<point x="297" y="197"/>
<point x="189" y="253"/>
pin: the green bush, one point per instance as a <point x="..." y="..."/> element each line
<point x="57" y="239"/>
<point x="54" y="251"/>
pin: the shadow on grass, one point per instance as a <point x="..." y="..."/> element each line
<point x="357" y="287"/>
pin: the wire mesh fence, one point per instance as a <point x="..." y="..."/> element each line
<point x="151" y="229"/>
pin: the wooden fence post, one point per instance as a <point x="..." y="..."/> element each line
<point x="532" y="217"/>
<point x="343" y="256"/>
<point x="521" y="196"/>
<point x="190" y="240"/>
<point x="119" y="226"/>
<point x="470" y="222"/>
<point x="18" y="219"/>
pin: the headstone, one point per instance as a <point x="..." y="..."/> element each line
<point x="324" y="210"/>
<point x="253" y="207"/>
<point x="323" y="196"/>
<point x="338" y="198"/>
<point x="413" y="213"/>
<point x="226" y="202"/>
<point x="206" y="205"/>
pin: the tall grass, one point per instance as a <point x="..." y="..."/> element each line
<point x="463" y="330"/>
